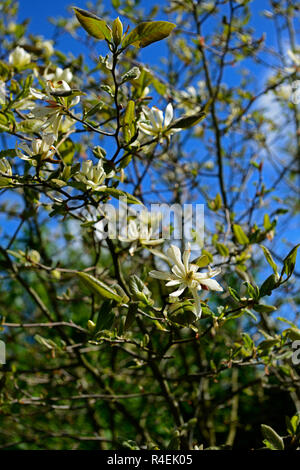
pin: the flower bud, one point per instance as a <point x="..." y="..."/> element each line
<point x="91" y="326"/>
<point x="117" y="31"/>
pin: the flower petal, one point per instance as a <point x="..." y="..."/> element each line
<point x="211" y="284"/>
<point x="178" y="292"/>
<point x="175" y="255"/>
<point x="169" y="115"/>
<point x="160" y="275"/>
<point x="174" y="282"/>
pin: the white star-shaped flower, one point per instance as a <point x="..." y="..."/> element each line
<point x="93" y="176"/>
<point x="43" y="147"/>
<point x="154" y="123"/>
<point x="185" y="276"/>
<point x="54" y="111"/>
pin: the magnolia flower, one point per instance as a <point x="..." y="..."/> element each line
<point x="5" y="169"/>
<point x="139" y="232"/>
<point x="46" y="46"/>
<point x="296" y="60"/>
<point x="59" y="74"/>
<point x="155" y="124"/>
<point x="43" y="147"/>
<point x="93" y="176"/>
<point x="184" y="275"/>
<point x="54" y="111"/>
<point x="19" y="57"/>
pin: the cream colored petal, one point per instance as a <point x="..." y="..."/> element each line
<point x="147" y="129"/>
<point x="178" y="292"/>
<point x="156" y="117"/>
<point x="168" y="115"/>
<point x="160" y="275"/>
<point x="178" y="271"/>
<point x="186" y="257"/>
<point x="174" y="282"/>
<point x="174" y="253"/>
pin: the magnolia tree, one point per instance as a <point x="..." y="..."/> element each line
<point x="148" y="191"/>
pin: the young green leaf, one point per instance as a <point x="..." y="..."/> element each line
<point x="128" y="122"/>
<point x="118" y="193"/>
<point x="148" y="32"/>
<point x="105" y="316"/>
<point x="261" y="308"/>
<point x="268" y="285"/>
<point x="240" y="235"/>
<point x="272" y="437"/>
<point x="98" y="287"/>
<point x="93" y="25"/>
<point x="186" y="121"/>
<point x="270" y="260"/>
<point x="290" y="261"/>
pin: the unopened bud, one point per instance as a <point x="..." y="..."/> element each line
<point x="91" y="326"/>
<point x="117" y="31"/>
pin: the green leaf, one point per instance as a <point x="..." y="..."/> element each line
<point x="186" y="121"/>
<point x="268" y="285"/>
<point x="240" y="235"/>
<point x="292" y="424"/>
<point x="272" y="437"/>
<point x="148" y="32"/>
<point x="234" y="294"/>
<point x="248" y="341"/>
<point x="269" y="258"/>
<point x="209" y="256"/>
<point x="267" y="344"/>
<point x="252" y="291"/>
<point x="290" y="261"/>
<point x="293" y="333"/>
<point x="128" y="122"/>
<point x="67" y="150"/>
<point x="131" y="314"/>
<point x="98" y="287"/>
<point x="159" y="86"/>
<point x="202" y="261"/>
<point x="222" y="249"/>
<point x="105" y="316"/>
<point x="267" y="223"/>
<point x="139" y="290"/>
<point x="94" y="25"/>
<point x="261" y="308"/>
<point x="182" y="313"/>
<point x="48" y="343"/>
<point x="118" y="193"/>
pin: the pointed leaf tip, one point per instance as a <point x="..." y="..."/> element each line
<point x="94" y="26"/>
